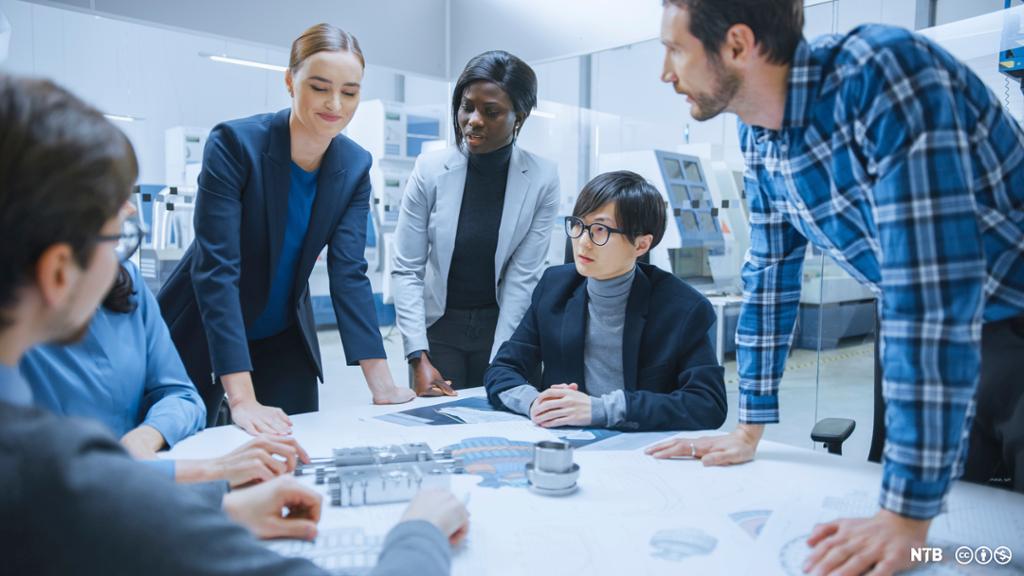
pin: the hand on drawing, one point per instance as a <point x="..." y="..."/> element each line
<point x="879" y="545"/>
<point x="442" y="509"/>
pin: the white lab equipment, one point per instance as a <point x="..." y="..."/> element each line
<point x="701" y="244"/>
<point x="394" y="134"/>
<point x="183" y="155"/>
<point x="173" y="209"/>
<point x="171" y="233"/>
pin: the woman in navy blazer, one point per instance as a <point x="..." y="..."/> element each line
<point x="640" y="333"/>
<point x="274" y="190"/>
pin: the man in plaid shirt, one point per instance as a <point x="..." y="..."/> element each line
<point x="890" y="155"/>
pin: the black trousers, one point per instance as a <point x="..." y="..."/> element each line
<point x="460" y="345"/>
<point x="283" y="376"/>
<point x="996" y="452"/>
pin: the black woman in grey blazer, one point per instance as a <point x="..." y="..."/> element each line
<point x="473" y="231"/>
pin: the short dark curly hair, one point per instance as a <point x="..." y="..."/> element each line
<point x="65" y="170"/>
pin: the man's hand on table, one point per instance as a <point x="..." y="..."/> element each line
<point x="737" y="447"/>
<point x="442" y="509"/>
<point x="261" y="509"/>
<point x="879" y="545"/>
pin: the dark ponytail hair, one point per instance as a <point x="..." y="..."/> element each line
<point x="121" y="298"/>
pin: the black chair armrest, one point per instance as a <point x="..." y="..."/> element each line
<point x="832" y="432"/>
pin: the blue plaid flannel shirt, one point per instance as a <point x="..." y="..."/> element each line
<point x="897" y="161"/>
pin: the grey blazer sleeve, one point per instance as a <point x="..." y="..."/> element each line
<point x="525" y="267"/>
<point x="409" y="262"/>
<point x="414" y="547"/>
<point x="210" y="492"/>
<point x="83" y="506"/>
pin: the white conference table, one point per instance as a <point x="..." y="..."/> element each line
<point x="636" y="515"/>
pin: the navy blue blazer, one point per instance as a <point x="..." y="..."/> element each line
<point x="672" y="379"/>
<point x="223" y="281"/>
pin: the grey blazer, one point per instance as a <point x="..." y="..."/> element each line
<point x="425" y="240"/>
<point x="80" y="505"/>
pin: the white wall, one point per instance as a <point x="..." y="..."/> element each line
<point x="839" y="16"/>
<point x="401" y="34"/>
<point x="559" y="81"/>
<point x="540" y="30"/>
<point x="155" y="73"/>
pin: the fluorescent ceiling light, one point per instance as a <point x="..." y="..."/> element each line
<point x="124" y="117"/>
<point x="543" y="114"/>
<point x="243" y="62"/>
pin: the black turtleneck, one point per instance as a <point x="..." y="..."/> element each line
<point x="471" y="276"/>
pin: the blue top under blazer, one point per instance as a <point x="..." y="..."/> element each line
<point x="223" y="281"/>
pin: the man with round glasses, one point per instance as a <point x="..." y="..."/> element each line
<point x="622" y="344"/>
<point x="125" y="373"/>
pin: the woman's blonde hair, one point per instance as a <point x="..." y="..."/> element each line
<point x="322" y="38"/>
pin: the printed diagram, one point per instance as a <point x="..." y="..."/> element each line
<point x="348" y="550"/>
<point x="500" y="461"/>
<point x="462" y="411"/>
<point x="679" y="544"/>
<point x="751" y="521"/>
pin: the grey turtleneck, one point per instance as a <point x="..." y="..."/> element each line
<point x="602" y="354"/>
<point x="602" y="349"/>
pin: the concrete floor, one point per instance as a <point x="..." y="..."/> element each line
<point x="845" y="390"/>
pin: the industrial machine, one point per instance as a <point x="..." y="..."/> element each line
<point x="168" y="216"/>
<point x="167" y="210"/>
<point x="707" y="237"/>
<point x="183" y="155"/>
<point x="394" y="134"/>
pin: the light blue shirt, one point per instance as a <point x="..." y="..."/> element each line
<point x="125" y="372"/>
<point x="13" y="389"/>
<point x="277" y="316"/>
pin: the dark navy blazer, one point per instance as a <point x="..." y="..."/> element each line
<point x="672" y="379"/>
<point x="223" y="281"/>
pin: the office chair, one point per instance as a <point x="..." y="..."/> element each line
<point x="832" y="432"/>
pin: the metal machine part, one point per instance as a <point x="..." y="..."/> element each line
<point x="381" y="474"/>
<point x="552" y="472"/>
